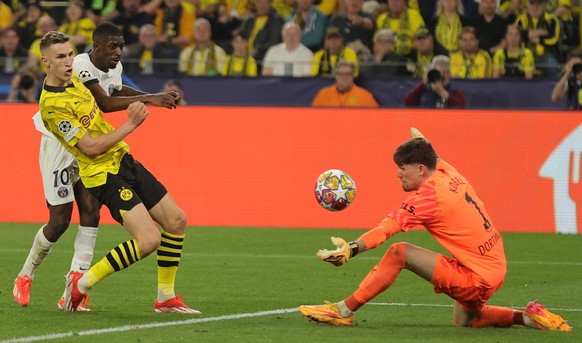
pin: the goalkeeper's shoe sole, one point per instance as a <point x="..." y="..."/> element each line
<point x="544" y="319"/>
<point x="327" y="313"/>
<point x="83" y="306"/>
<point x="175" y="305"/>
<point x="21" y="290"/>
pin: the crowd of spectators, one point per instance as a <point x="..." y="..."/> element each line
<point x="526" y="39"/>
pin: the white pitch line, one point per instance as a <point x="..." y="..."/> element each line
<point x="148" y="326"/>
<point x="208" y="320"/>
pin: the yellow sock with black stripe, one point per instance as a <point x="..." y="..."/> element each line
<point x="169" y="255"/>
<point x="119" y="258"/>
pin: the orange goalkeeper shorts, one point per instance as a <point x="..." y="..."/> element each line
<point x="462" y="284"/>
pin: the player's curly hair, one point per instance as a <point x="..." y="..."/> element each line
<point x="416" y="150"/>
<point x="52" y="38"/>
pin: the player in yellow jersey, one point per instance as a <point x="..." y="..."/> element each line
<point x="133" y="195"/>
<point x="101" y="72"/>
<point x="447" y="206"/>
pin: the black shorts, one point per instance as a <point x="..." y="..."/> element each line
<point x="132" y="185"/>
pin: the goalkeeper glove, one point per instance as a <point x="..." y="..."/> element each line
<point x="415" y="133"/>
<point x="341" y="255"/>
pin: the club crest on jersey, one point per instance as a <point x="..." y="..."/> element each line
<point x="110" y="89"/>
<point x="65" y="126"/>
<point x="125" y="194"/>
<point x="63" y="192"/>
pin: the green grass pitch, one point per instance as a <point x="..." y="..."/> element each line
<point x="235" y="276"/>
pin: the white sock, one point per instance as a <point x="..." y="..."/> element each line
<point x="41" y="247"/>
<point x="527" y="321"/>
<point x="82" y="284"/>
<point x="164" y="296"/>
<point x="84" y="246"/>
<point x="344" y="310"/>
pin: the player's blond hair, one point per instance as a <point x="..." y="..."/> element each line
<point x="52" y="38"/>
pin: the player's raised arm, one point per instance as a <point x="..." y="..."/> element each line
<point x="163" y="99"/>
<point x="137" y="112"/>
<point x="117" y="103"/>
<point x="167" y="99"/>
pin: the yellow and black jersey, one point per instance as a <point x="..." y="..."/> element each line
<point x="404" y="27"/>
<point x="240" y="66"/>
<point x="324" y="61"/>
<point x="548" y="22"/>
<point x="512" y="65"/>
<point x="479" y="66"/>
<point x="71" y="112"/>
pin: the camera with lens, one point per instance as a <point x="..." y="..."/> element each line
<point x="433" y="76"/>
<point x="576" y="68"/>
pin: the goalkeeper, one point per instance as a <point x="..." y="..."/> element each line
<point x="444" y="202"/>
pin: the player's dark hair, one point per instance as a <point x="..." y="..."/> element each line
<point x="52" y="38"/>
<point x="416" y="150"/>
<point x="105" y="30"/>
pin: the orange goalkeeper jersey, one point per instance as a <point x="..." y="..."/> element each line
<point x="447" y="206"/>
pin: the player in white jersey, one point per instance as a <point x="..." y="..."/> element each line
<point x="101" y="71"/>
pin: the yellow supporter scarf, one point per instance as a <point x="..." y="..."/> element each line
<point x="421" y="62"/>
<point x="210" y="64"/>
<point x="325" y="66"/>
<point x="299" y="19"/>
<point x="469" y="63"/>
<point x="449" y="35"/>
<point x="403" y="43"/>
<point x="146" y="56"/>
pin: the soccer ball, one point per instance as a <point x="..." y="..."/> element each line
<point x="335" y="190"/>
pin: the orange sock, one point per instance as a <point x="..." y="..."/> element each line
<point x="380" y="278"/>
<point x="497" y="316"/>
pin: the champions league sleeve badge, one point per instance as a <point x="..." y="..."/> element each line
<point x="84" y="75"/>
<point x="65" y="126"/>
